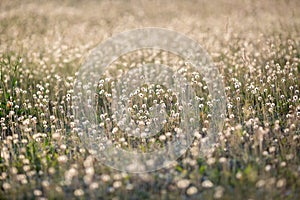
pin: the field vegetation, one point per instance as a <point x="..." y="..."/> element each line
<point x="256" y="47"/>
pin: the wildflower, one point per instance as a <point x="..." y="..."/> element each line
<point x="260" y="183"/>
<point x="6" y="186"/>
<point x="268" y="168"/>
<point x="218" y="192"/>
<point x="62" y="159"/>
<point x="94" y="186"/>
<point x="192" y="190"/>
<point x="207" y="184"/>
<point x="117" y="184"/>
<point x="78" y="192"/>
<point x="37" y="192"/>
<point x="182" y="184"/>
<point x="239" y="175"/>
<point x="280" y="183"/>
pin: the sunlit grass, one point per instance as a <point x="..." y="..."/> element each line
<point x="258" y="151"/>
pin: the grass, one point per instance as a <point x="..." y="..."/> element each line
<point x="257" y="154"/>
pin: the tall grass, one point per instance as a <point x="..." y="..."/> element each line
<point x="258" y="151"/>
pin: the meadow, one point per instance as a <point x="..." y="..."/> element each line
<point x="256" y="47"/>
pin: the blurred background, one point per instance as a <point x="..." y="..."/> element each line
<point x="83" y="24"/>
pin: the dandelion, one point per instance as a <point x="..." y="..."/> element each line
<point x="6" y="186"/>
<point x="37" y="193"/>
<point x="117" y="184"/>
<point x="105" y="178"/>
<point x="222" y="160"/>
<point x="182" y="184"/>
<point x="52" y="117"/>
<point x="268" y="168"/>
<point x="239" y="175"/>
<point x="281" y="183"/>
<point x="162" y="138"/>
<point x="260" y="183"/>
<point x="218" y="192"/>
<point x="78" y="192"/>
<point x="94" y="186"/>
<point x="192" y="190"/>
<point x="295" y="98"/>
<point x="207" y="184"/>
<point x="129" y="187"/>
<point x="62" y="159"/>
<point x="211" y="161"/>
